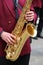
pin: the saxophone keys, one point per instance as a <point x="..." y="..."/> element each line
<point x="8" y="55"/>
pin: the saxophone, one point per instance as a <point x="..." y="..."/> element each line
<point x="13" y="51"/>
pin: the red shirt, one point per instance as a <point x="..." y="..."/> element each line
<point x="7" y="23"/>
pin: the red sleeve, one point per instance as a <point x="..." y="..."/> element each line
<point x="1" y="29"/>
<point x="35" y="15"/>
<point x="35" y="3"/>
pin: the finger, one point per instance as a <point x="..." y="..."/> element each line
<point x="12" y="40"/>
<point x="13" y="37"/>
<point x="9" y="41"/>
<point x="29" y="19"/>
<point x="29" y="16"/>
<point x="29" y="13"/>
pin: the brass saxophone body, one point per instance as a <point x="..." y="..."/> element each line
<point x="13" y="51"/>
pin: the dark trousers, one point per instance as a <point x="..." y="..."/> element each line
<point x="23" y="60"/>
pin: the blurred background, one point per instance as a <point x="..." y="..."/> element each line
<point x="37" y="52"/>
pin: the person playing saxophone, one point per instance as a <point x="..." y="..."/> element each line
<point x="7" y="24"/>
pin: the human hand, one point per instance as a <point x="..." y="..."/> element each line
<point x="8" y="38"/>
<point x="29" y="16"/>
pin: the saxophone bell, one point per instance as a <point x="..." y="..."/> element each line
<point x="31" y="30"/>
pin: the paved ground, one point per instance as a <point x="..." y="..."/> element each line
<point x="37" y="52"/>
